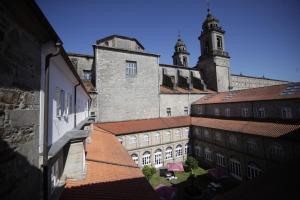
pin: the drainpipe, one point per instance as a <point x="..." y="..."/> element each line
<point x="75" y="103"/>
<point x="46" y="111"/>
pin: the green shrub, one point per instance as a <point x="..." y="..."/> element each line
<point x="148" y="171"/>
<point x="191" y="163"/>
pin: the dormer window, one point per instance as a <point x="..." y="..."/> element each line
<point x="261" y="112"/>
<point x="286" y="113"/>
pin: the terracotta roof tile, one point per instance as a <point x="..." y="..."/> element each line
<point x="135" y="126"/>
<point x="111" y="173"/>
<point x="267" y="129"/>
<point x="285" y="91"/>
<point x="179" y="90"/>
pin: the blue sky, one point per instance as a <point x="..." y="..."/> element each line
<point x="262" y="36"/>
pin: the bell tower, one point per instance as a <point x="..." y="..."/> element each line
<point x="214" y="60"/>
<point x="181" y="55"/>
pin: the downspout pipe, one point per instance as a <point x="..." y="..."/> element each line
<point x="75" y="104"/>
<point x="46" y="112"/>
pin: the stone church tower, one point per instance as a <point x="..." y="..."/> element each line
<point x="214" y="60"/>
<point x="181" y="55"/>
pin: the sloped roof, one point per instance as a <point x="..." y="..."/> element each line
<point x="276" y="92"/>
<point x="267" y="129"/>
<point x="135" y="126"/>
<point x="111" y="173"/>
<point x="122" y="37"/>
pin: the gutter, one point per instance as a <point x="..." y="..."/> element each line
<point x="46" y="111"/>
<point x="75" y="103"/>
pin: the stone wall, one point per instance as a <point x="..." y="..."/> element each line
<point x="246" y="149"/>
<point x="81" y="63"/>
<point x="240" y="82"/>
<point x="126" y="98"/>
<point x="20" y="69"/>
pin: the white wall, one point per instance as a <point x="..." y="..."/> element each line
<point x="62" y="77"/>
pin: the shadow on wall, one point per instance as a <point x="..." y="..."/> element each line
<point x="129" y="189"/>
<point x="18" y="178"/>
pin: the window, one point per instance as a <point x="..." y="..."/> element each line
<point x="169" y="153"/>
<point x="251" y="146"/>
<point x="168" y="136"/>
<point x="178" y="150"/>
<point x="177" y="134"/>
<point x="185" y="132"/>
<point x="245" y="112"/>
<point x="87" y="75"/>
<point x="60" y="102"/>
<point x="233" y="139"/>
<point x="235" y="168"/>
<point x="169" y="111"/>
<point x="206" y="46"/>
<point x="132" y="140"/>
<point x="200" y="110"/>
<point x="253" y="170"/>
<point x="219" y="43"/>
<point x="206" y="134"/>
<point x="227" y="112"/>
<point x="217" y="111"/>
<point x="220" y="160"/>
<point x="131" y="69"/>
<point x="261" y="112"/>
<point x="157" y="137"/>
<point x="158" y="158"/>
<point x="207" y="154"/>
<point x="186" y="149"/>
<point x="186" y="110"/>
<point x="276" y="151"/>
<point x="70" y="105"/>
<point x="135" y="158"/>
<point x="146" y="158"/>
<point x="198" y="151"/>
<point x="286" y="113"/>
<point x="218" y="136"/>
<point x="146" y="138"/>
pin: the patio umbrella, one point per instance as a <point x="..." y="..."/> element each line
<point x="178" y="167"/>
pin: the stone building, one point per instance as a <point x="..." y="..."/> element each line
<point x="249" y="131"/>
<point x="43" y="106"/>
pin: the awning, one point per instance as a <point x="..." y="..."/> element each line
<point x="175" y="167"/>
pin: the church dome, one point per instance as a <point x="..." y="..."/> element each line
<point x="180" y="45"/>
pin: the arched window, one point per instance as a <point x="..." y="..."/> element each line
<point x="169" y="153"/>
<point x="218" y="136"/>
<point x="276" y="151"/>
<point x="132" y="140"/>
<point x="235" y="168"/>
<point x="208" y="154"/>
<point x="146" y="138"/>
<point x="157" y="137"/>
<point x="158" y="158"/>
<point x="206" y="134"/>
<point x="135" y="158"/>
<point x="168" y="136"/>
<point x="251" y="146"/>
<point x="233" y="139"/>
<point x="146" y="158"/>
<point x="198" y="151"/>
<point x="178" y="151"/>
<point x="253" y="170"/>
<point x="220" y="160"/>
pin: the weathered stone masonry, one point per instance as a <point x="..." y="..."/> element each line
<point x="20" y="63"/>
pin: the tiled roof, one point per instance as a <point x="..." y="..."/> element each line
<point x="111" y="173"/>
<point x="135" y="126"/>
<point x="267" y="129"/>
<point x="285" y="91"/>
<point x="179" y="90"/>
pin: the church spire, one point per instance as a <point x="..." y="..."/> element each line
<point x="181" y="55"/>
